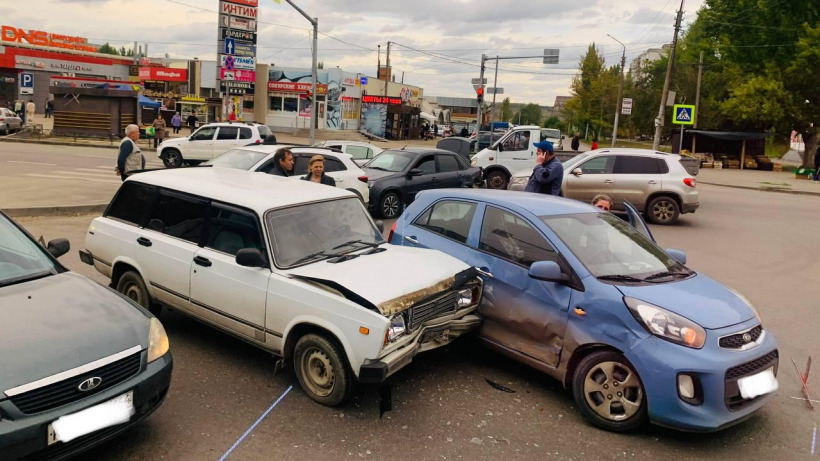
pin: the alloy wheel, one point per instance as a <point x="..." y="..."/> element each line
<point x="390" y="207"/>
<point x="663" y="211"/>
<point x="613" y="391"/>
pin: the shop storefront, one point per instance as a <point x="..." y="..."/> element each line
<point x="93" y="107"/>
<point x="387" y="117"/>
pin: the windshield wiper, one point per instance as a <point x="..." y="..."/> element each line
<point x="352" y="242"/>
<point x="378" y="168"/>
<point x="665" y="274"/>
<point x="26" y="278"/>
<point x="620" y="278"/>
<point x="313" y="255"/>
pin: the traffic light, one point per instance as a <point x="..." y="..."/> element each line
<point x="480" y="94"/>
<point x="310" y="96"/>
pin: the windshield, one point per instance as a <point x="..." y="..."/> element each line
<point x="239" y="159"/>
<point x="551" y="133"/>
<point x="570" y="163"/>
<point x="608" y="246"/>
<point x="313" y="231"/>
<point x="391" y="160"/>
<point x="20" y="258"/>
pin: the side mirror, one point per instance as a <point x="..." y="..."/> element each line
<point x="677" y="255"/>
<point x="577" y="172"/>
<point x="414" y="172"/>
<point x="380" y="225"/>
<point x="548" y="271"/>
<point x="58" y="247"/>
<point x="500" y="147"/>
<point x="250" y="257"/>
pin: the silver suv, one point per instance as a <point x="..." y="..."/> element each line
<point x="660" y="185"/>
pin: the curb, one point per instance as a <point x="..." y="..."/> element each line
<point x="67" y="143"/>
<point x="55" y="210"/>
<point x="762" y="189"/>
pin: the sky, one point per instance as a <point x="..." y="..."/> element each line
<point x="435" y="45"/>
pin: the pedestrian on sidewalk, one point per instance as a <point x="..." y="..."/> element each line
<point x="159" y="130"/>
<point x="176" y="122"/>
<point x="130" y="157"/>
<point x="594" y="143"/>
<point x="548" y="173"/>
<point x="191" y="121"/>
<point x="49" y="108"/>
<point x="18" y="108"/>
<point x="30" y="112"/>
<point x="576" y="141"/>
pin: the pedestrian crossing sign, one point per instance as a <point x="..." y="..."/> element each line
<point x="683" y="114"/>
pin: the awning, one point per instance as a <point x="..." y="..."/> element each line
<point x="148" y="102"/>
<point x="731" y="135"/>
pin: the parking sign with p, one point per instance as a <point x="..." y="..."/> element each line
<point x="26" y="83"/>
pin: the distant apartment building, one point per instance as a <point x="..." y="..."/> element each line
<point x="652" y="54"/>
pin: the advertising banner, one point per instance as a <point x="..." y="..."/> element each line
<point x="233" y="9"/>
<point x="163" y="74"/>
<point x="237" y="75"/>
<point x="237" y="62"/>
<point x="239" y="35"/>
<point x="237" y="23"/>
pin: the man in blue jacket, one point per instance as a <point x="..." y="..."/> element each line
<point x="548" y="174"/>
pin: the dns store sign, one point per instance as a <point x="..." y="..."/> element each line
<point x="38" y="37"/>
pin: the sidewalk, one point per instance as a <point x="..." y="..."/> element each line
<point x="770" y="181"/>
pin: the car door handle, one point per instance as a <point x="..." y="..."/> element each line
<point x="609" y="181"/>
<point x="652" y="181"/>
<point x="484" y="271"/>
<point x="144" y="242"/>
<point x="434" y="180"/>
<point x="411" y="239"/>
<point x="202" y="261"/>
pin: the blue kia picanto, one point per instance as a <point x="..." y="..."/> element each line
<point x="591" y="300"/>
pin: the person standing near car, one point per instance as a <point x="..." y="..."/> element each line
<point x="283" y="162"/>
<point x="548" y="173"/>
<point x="576" y="141"/>
<point x="316" y="172"/>
<point x="130" y="157"/>
<point x="603" y="202"/>
<point x="49" y="108"/>
<point x="30" y="112"/>
<point x="159" y="130"/>
<point x="191" y="121"/>
<point x="176" y="122"/>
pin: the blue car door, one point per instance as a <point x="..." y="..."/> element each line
<point x="521" y="314"/>
<point x="445" y="226"/>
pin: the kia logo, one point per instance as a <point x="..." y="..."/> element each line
<point x="89" y="384"/>
<point x="747" y="338"/>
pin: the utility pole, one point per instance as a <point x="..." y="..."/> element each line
<point x="697" y="92"/>
<point x="481" y="83"/>
<point x="656" y="142"/>
<point x="495" y="91"/>
<point x="620" y="90"/>
<point x="388" y="70"/>
<point x="379" y="62"/>
<point x="314" y="72"/>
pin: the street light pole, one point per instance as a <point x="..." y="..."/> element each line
<point x="314" y="103"/>
<point x="620" y="89"/>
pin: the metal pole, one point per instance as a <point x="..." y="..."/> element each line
<point x="620" y="90"/>
<point x="656" y="142"/>
<point x="680" y="149"/>
<point x="495" y="89"/>
<point x="697" y="92"/>
<point x="387" y="69"/>
<point x="314" y="112"/>
<point x="481" y="82"/>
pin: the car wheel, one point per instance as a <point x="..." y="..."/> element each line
<point x="6" y="131"/>
<point x="609" y="392"/>
<point x="133" y="287"/>
<point x="193" y="162"/>
<point x="662" y="210"/>
<point x="497" y="180"/>
<point x="390" y="205"/>
<point x="322" y="370"/>
<point x="172" y="158"/>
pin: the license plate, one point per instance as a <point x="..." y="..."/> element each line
<point x="438" y="336"/>
<point x="115" y="411"/>
<point x="758" y="384"/>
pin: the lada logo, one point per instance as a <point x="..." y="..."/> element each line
<point x="89" y="384"/>
<point x="747" y="338"/>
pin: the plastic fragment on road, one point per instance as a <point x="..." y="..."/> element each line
<point x="495" y="385"/>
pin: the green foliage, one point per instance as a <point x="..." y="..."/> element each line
<point x="530" y="114"/>
<point x="506" y="111"/>
<point x="107" y="49"/>
<point x="552" y="122"/>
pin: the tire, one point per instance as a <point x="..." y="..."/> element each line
<point x="7" y="131"/>
<point x="322" y="370"/>
<point x="172" y="158"/>
<point x="662" y="210"/>
<point x="609" y="392"/>
<point x="133" y="287"/>
<point x="497" y="180"/>
<point x="390" y="205"/>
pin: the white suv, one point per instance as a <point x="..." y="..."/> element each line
<point x="296" y="268"/>
<point x="210" y="141"/>
<point x="362" y="152"/>
<point x="338" y="166"/>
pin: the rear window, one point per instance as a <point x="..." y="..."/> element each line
<point x="238" y="158"/>
<point x="264" y="131"/>
<point x="630" y="164"/>
<point x="227" y="133"/>
<point x="132" y="202"/>
<point x="332" y="164"/>
<point x="245" y="133"/>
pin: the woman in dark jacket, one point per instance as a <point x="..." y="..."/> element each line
<point x="316" y="172"/>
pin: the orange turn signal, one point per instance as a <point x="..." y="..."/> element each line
<point x="579" y="311"/>
<point x="364" y="330"/>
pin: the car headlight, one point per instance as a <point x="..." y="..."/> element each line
<point x="748" y="303"/>
<point x="397" y="328"/>
<point x="667" y="325"/>
<point x="158" y="344"/>
<point x="473" y="161"/>
<point x="519" y="180"/>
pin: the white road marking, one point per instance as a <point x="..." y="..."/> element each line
<point x="30" y="163"/>
<point x="54" y="176"/>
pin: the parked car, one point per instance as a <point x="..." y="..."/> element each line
<point x="362" y="152"/>
<point x="554" y="136"/>
<point x="9" y="121"/>
<point x="593" y="302"/>
<point x="660" y="185"/>
<point x="210" y="141"/>
<point x="339" y="166"/>
<point x="80" y="363"/>
<point x="397" y="175"/>
<point x="287" y="266"/>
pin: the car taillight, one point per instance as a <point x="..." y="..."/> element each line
<point x="363" y="178"/>
<point x="691" y="182"/>
<point x="392" y="230"/>
<point x="258" y="141"/>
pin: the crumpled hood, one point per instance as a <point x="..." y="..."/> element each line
<point x="392" y="280"/>
<point x="700" y="299"/>
<point x="61" y="322"/>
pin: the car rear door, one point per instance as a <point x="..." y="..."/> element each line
<point x="448" y="171"/>
<point x="226" y="139"/>
<point x="222" y="291"/>
<point x="596" y="178"/>
<point x="636" y="178"/>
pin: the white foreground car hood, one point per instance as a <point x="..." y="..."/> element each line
<point x="392" y="280"/>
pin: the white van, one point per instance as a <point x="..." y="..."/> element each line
<point x="514" y="152"/>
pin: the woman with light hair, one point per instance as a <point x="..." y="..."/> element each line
<point x="316" y="172"/>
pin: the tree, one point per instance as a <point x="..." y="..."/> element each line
<point x="506" y="111"/>
<point x="320" y="65"/>
<point x="107" y="49"/>
<point x="530" y="114"/>
<point x="552" y="122"/>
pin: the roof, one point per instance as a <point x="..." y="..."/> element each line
<point x="731" y="135"/>
<point x="537" y="204"/>
<point x="232" y="124"/>
<point x="272" y="148"/>
<point x="630" y="150"/>
<point x="257" y="191"/>
<point x="348" y="143"/>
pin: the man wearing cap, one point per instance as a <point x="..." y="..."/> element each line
<point x="548" y="174"/>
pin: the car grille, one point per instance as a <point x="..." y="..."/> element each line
<point x="732" y="396"/>
<point x="736" y="341"/>
<point x="423" y="312"/>
<point x="67" y="391"/>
